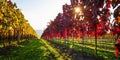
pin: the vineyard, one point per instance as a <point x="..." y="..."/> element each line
<point x="86" y="30"/>
<point x="13" y="26"/>
<point x="89" y="28"/>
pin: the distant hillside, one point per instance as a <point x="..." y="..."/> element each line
<point x="39" y="32"/>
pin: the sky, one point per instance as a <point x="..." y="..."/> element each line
<point x="40" y="12"/>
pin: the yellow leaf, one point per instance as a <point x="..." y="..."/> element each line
<point x="0" y="26"/>
<point x="1" y="15"/>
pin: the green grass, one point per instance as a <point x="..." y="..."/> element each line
<point x="53" y="50"/>
<point x="30" y="50"/>
<point x="105" y="47"/>
<point x="42" y="50"/>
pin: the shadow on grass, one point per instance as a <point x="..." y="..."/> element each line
<point x="30" y="50"/>
<point x="73" y="53"/>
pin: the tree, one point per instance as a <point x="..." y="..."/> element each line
<point x="12" y="22"/>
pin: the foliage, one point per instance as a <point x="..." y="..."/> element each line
<point x="13" y="25"/>
<point x="96" y="20"/>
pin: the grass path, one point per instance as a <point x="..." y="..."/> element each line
<point x="107" y="54"/>
<point x="31" y="50"/>
<point x="54" y="51"/>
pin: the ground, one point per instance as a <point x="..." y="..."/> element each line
<point x="40" y="49"/>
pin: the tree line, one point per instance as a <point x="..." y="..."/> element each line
<point x="13" y="25"/>
<point x="95" y="22"/>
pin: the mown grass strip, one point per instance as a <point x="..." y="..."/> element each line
<point x="29" y="50"/>
<point x="53" y="50"/>
<point x="107" y="54"/>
